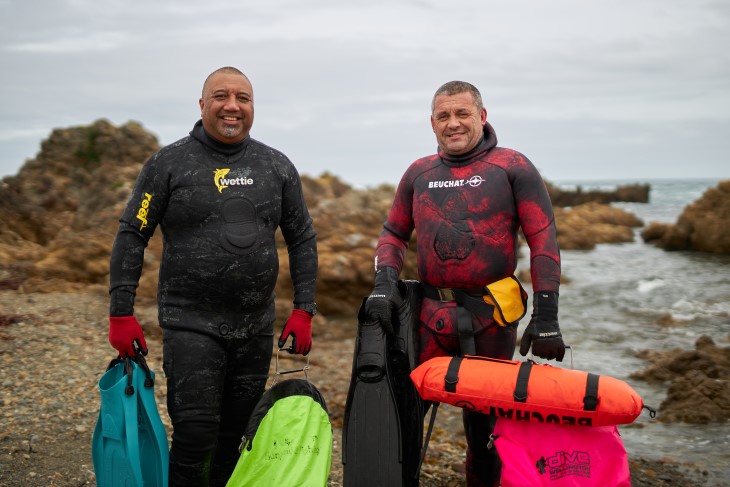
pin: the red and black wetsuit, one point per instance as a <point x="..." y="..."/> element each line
<point x="466" y="211"/>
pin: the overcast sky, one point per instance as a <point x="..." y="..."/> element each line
<point x="586" y="89"/>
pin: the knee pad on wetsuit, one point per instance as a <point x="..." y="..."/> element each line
<point x="193" y="441"/>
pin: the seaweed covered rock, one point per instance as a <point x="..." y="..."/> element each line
<point x="703" y="226"/>
<point x="584" y="226"/>
<point x="699" y="382"/>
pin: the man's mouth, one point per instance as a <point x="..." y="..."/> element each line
<point x="229" y="118"/>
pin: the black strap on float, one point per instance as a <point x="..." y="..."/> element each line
<point x="590" y="401"/>
<point x="523" y="377"/>
<point x="452" y="374"/>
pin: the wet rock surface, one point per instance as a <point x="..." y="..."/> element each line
<point x="703" y="225"/>
<point x="698" y="382"/>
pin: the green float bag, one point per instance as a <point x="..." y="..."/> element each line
<point x="288" y="439"/>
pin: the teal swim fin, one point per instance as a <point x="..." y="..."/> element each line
<point x="381" y="433"/>
<point x="129" y="446"/>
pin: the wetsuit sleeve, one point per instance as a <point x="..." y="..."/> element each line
<point x="398" y="228"/>
<point x="143" y="212"/>
<point x="300" y="237"/>
<point x="538" y="225"/>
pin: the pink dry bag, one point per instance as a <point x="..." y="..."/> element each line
<point x="558" y="455"/>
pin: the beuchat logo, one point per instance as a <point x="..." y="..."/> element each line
<point x="144" y="209"/>
<point x="473" y="181"/>
<point x="222" y="182"/>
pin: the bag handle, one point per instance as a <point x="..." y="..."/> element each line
<point x="278" y="372"/>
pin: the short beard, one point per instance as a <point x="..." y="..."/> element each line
<point x="229" y="131"/>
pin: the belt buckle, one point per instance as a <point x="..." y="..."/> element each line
<point x="446" y="294"/>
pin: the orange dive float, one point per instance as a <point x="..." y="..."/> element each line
<point x="527" y="391"/>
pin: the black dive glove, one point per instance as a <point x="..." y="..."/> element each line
<point x="383" y="302"/>
<point x="543" y="331"/>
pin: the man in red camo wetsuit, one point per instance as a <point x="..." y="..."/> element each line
<point x="466" y="204"/>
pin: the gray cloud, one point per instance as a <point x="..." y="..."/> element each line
<point x="622" y="89"/>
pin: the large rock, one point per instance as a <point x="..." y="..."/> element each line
<point x="704" y="225"/>
<point x="59" y="214"/>
<point x="583" y="226"/>
<point x="348" y="223"/>
<point x="699" y="382"/>
<point x="634" y="193"/>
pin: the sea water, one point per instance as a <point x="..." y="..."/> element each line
<point x="611" y="306"/>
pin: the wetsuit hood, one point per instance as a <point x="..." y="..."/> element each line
<point x="488" y="142"/>
<point x="199" y="134"/>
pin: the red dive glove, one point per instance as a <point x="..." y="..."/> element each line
<point x="299" y="326"/>
<point x="123" y="332"/>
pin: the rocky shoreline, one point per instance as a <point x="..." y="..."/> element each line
<point x="59" y="215"/>
<point x="53" y="349"/>
<point x="58" y="218"/>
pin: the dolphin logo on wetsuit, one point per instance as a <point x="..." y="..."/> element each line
<point x="218" y="175"/>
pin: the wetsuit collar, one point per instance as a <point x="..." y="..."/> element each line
<point x="488" y="142"/>
<point x="202" y="136"/>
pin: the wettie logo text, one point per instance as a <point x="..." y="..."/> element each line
<point x="222" y="182"/>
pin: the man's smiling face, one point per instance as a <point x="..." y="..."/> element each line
<point x="226" y="107"/>
<point x="457" y="122"/>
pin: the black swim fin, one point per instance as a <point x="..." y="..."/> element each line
<point x="403" y="351"/>
<point x="381" y="433"/>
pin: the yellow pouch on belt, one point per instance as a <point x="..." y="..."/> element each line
<point x="509" y="300"/>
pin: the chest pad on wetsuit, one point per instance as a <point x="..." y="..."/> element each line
<point x="239" y="230"/>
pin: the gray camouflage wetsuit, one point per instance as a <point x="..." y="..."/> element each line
<point x="218" y="207"/>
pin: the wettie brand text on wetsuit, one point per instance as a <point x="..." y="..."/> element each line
<point x="222" y="182"/>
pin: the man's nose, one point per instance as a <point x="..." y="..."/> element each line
<point x="453" y="121"/>
<point x="231" y="103"/>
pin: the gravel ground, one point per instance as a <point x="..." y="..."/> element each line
<point x="53" y="349"/>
